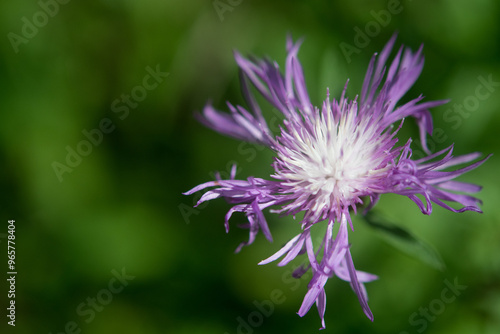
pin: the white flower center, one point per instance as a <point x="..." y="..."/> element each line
<point x="335" y="163"/>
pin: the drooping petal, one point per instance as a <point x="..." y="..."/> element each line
<point x="358" y="287"/>
<point x="282" y="251"/>
<point x="321" y="306"/>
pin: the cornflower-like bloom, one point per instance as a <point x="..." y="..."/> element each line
<point x="331" y="160"/>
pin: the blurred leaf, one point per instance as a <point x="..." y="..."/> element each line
<point x="405" y="241"/>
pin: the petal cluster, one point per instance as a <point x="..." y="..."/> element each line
<point x="332" y="159"/>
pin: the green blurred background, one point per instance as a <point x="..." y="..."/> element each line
<point x="121" y="208"/>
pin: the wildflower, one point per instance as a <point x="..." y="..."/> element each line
<point x="332" y="160"/>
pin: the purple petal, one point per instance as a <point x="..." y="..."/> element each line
<point x="282" y="251"/>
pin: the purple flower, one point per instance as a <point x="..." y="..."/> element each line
<point x="331" y="160"/>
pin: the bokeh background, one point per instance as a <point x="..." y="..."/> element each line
<point x="121" y="207"/>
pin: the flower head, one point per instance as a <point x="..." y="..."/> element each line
<point x="330" y="160"/>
